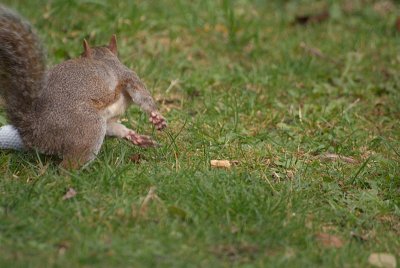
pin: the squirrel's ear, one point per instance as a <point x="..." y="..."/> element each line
<point x="87" y="51"/>
<point x="113" y="44"/>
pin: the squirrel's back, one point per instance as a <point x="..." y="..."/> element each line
<point x="22" y="66"/>
<point x="71" y="102"/>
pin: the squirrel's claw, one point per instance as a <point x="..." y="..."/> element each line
<point x="158" y="120"/>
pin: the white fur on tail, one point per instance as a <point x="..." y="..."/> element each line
<point x="10" y="138"/>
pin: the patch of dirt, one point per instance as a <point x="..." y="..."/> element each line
<point x="384" y="7"/>
<point x="392" y="221"/>
<point x="329" y="241"/>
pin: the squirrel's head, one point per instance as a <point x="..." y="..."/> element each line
<point x="100" y="52"/>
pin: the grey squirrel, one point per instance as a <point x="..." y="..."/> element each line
<point x="68" y="109"/>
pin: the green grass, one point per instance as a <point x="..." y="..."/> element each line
<point x="246" y="91"/>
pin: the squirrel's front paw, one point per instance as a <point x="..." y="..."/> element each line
<point x="141" y="140"/>
<point x="158" y="120"/>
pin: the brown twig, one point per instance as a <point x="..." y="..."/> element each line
<point x="151" y="195"/>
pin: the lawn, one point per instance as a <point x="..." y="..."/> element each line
<point x="307" y="110"/>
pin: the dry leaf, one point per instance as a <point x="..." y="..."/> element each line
<point x="136" y="158"/>
<point x="336" y="157"/>
<point x="329" y="241"/>
<point x="69" y="194"/>
<point x="384" y="260"/>
<point x="313" y="18"/>
<point x="398" y="24"/>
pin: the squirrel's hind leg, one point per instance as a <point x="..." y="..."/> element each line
<point x="78" y="158"/>
<point x="83" y="148"/>
<point x="118" y="130"/>
<point x="75" y="161"/>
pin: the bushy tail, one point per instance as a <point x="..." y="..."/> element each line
<point x="22" y="66"/>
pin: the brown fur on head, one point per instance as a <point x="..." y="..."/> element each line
<point x="100" y="52"/>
